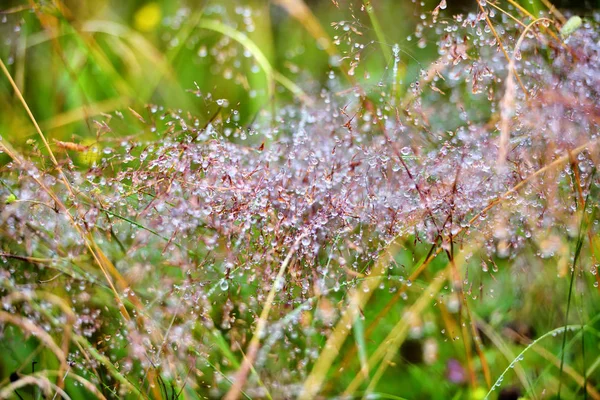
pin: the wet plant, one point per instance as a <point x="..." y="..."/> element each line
<point x="410" y="225"/>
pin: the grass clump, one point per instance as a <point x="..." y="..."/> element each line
<point x="420" y="224"/>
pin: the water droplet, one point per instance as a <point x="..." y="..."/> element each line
<point x="224" y="285"/>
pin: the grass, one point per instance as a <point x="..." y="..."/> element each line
<point x="298" y="200"/>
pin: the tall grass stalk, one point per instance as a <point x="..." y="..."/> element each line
<point x="578" y="247"/>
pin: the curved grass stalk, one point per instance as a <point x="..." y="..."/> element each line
<point x="142" y="45"/>
<point x="182" y="37"/>
<point x="530" y="15"/>
<point x="519" y="357"/>
<point x="502" y="48"/>
<point x="68" y="326"/>
<point x="139" y="44"/>
<point x="581" y="381"/>
<point x="28" y="326"/>
<point x="77" y="339"/>
<point x="554" y="360"/>
<point x="508" y="354"/>
<point x="553" y="10"/>
<point x="272" y="74"/>
<point x="38" y="380"/>
<point x="303" y="14"/>
<point x="84" y="382"/>
<point x="95" y="52"/>
<point x="51" y="25"/>
<point x="509" y="96"/>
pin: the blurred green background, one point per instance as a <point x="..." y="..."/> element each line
<point x="76" y="59"/>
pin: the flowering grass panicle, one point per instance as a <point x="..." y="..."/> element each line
<point x="421" y="215"/>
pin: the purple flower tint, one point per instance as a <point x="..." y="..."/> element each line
<point x="455" y="372"/>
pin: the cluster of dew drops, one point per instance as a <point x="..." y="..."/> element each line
<point x="199" y="220"/>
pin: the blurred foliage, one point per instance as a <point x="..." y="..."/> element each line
<point x="76" y="59"/>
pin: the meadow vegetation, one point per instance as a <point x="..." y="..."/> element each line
<point x="289" y="199"/>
